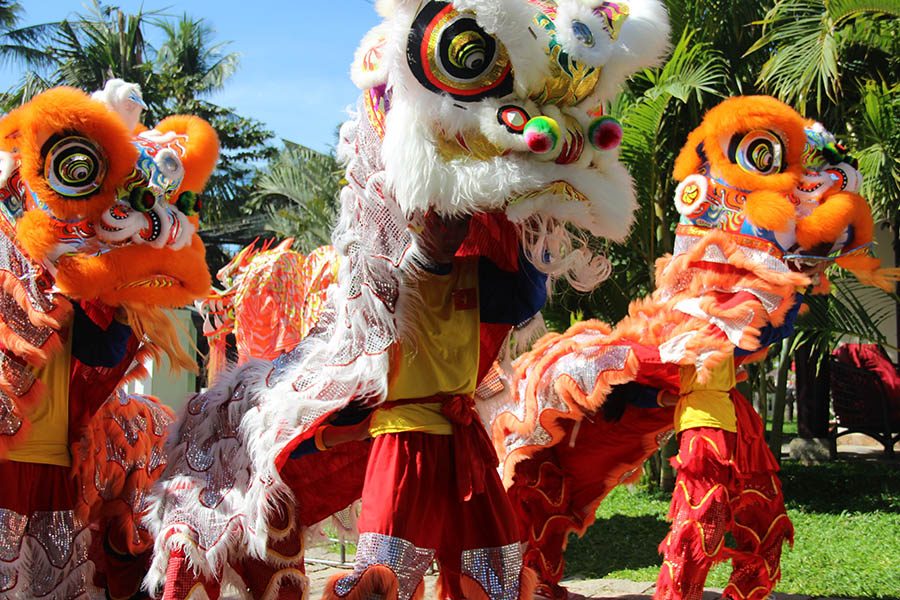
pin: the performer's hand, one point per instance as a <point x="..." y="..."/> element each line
<point x="667" y="398"/>
<point x="339" y="434"/>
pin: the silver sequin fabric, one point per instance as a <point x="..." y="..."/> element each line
<point x="408" y="563"/>
<point x="43" y="556"/>
<point x="497" y="570"/>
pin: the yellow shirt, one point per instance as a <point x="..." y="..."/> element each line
<point x="48" y="441"/>
<point x="445" y="359"/>
<point x="709" y="404"/>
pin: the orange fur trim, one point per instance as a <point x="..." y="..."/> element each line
<point x="867" y="270"/>
<point x="201" y="152"/>
<point x="770" y="210"/>
<point x="8" y="442"/>
<point x="111" y="277"/>
<point x="158" y="329"/>
<point x="118" y="484"/>
<point x="65" y="109"/>
<point x="57" y="318"/>
<point x="828" y="221"/>
<point x="35" y="234"/>
<point x="741" y="115"/>
<point x="33" y="355"/>
<point x="377" y="580"/>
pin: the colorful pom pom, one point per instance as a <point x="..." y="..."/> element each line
<point x="605" y="133"/>
<point x="541" y="134"/>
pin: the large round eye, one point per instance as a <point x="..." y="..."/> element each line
<point x="74" y="166"/>
<point x="759" y="152"/>
<point x="449" y="52"/>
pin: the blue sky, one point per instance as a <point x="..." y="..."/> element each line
<point x="295" y="63"/>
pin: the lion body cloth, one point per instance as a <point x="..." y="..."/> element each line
<point x="97" y="228"/>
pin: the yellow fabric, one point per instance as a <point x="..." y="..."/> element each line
<point x="709" y="404"/>
<point x="426" y="418"/>
<point x="445" y="360"/>
<point x="48" y="441"/>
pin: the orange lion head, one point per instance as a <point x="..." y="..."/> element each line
<point x="105" y="206"/>
<point x="778" y="183"/>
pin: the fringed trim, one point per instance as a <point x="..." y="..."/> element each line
<point x="528" y="581"/>
<point x="55" y="319"/>
<point x="8" y="442"/>
<point x="376" y="580"/>
<point x="37" y="356"/>
<point x="141" y="449"/>
<point x="284" y="577"/>
<point x="156" y="327"/>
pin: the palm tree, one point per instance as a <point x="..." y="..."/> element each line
<point x="299" y="192"/>
<point x="190" y="64"/>
<point x="20" y="44"/>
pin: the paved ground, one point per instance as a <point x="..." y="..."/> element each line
<point x="618" y="589"/>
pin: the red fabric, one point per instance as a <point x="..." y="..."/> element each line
<point x="872" y="357"/>
<point x="31" y="487"/>
<point x="557" y="491"/>
<point x="472" y="447"/>
<point x="492" y="235"/>
<point x="411" y="492"/>
<point x="89" y="387"/>
<point x="326" y="482"/>
<point x="714" y="496"/>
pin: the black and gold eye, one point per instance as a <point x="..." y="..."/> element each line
<point x="760" y="152"/>
<point x="74" y="166"/>
<point x="449" y="52"/>
<point x="189" y="203"/>
<point x="142" y="198"/>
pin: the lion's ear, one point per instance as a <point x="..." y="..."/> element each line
<point x="368" y="69"/>
<point x="195" y="142"/>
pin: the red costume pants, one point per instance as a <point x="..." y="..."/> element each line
<point x="714" y="494"/>
<point x="433" y="497"/>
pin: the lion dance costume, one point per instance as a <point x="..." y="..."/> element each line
<point x="482" y="112"/>
<point x="763" y="195"/>
<point x="97" y="214"/>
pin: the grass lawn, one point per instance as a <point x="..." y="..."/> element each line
<point x="847" y="542"/>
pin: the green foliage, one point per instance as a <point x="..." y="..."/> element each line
<point x="847" y="545"/>
<point x="21" y="44"/>
<point x="299" y="192"/>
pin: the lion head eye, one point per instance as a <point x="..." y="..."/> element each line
<point x="760" y="152"/>
<point x="74" y="166"/>
<point x="449" y="52"/>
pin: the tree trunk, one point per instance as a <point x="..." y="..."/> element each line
<point x="784" y="366"/>
<point x="666" y="471"/>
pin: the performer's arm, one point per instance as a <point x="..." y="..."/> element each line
<point x="770" y="334"/>
<point x="510" y="298"/>
<point x="95" y="346"/>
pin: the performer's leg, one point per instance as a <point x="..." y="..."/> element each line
<point x="700" y="513"/>
<point x="183" y="584"/>
<point x="761" y="527"/>
<point x="479" y="554"/>
<point x="401" y="522"/>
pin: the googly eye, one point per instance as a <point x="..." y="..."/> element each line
<point x="74" y="166"/>
<point x="449" y="52"/>
<point x="142" y="199"/>
<point x="169" y="164"/>
<point x="760" y="152"/>
<point x="513" y="118"/>
<point x="189" y="203"/>
<point x="583" y="34"/>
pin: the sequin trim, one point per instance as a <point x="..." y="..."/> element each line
<point x="408" y="563"/>
<point x="497" y="570"/>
